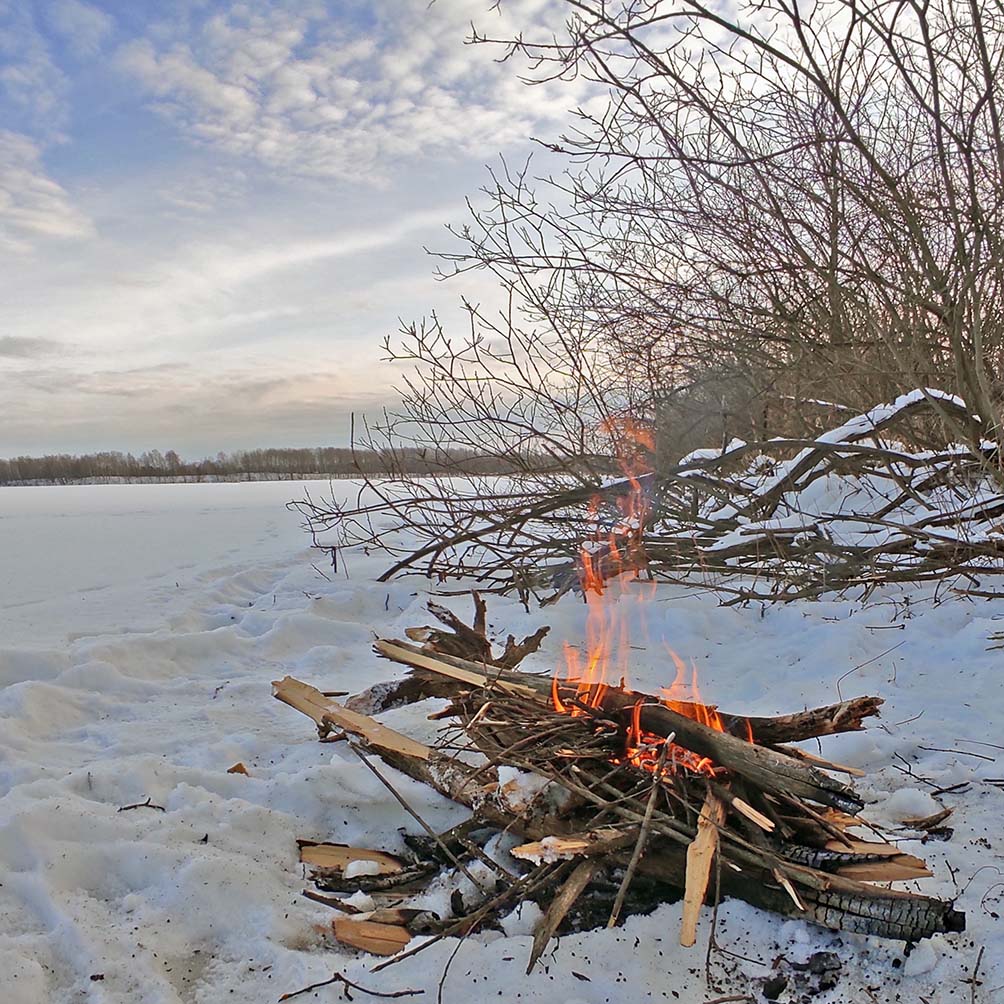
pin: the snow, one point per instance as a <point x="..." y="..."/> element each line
<point x="142" y="626"/>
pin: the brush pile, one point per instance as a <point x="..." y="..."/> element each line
<point x="779" y="520"/>
<point x="608" y="802"/>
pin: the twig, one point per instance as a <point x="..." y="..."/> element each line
<point x="332" y="901"/>
<point x="446" y="970"/>
<point x="339" y="978"/>
<point x="973" y="982"/>
<point x="643" y="831"/>
<point x="148" y="804"/>
<point x="418" y="819"/>
<point x="941" y="749"/>
<point x="526" y="884"/>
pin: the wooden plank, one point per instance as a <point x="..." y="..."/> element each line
<point x="700" y="855"/>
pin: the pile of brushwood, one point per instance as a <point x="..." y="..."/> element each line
<point x="608" y="802"/>
<point x="779" y="520"/>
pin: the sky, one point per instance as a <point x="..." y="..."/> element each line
<point x="211" y="213"/>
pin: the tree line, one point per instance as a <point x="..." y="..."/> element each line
<point x="277" y="464"/>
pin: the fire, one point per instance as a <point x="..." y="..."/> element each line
<point x="609" y="564"/>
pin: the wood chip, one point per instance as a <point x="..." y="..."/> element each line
<point x="238" y="768"/>
<point x="367" y="936"/>
<point x="339" y="856"/>
<point x="700" y="855"/>
<point x="598" y="841"/>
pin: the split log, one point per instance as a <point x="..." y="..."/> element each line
<point x="447" y="775"/>
<point x="574" y="845"/>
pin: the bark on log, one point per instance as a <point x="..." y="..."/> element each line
<point x="840" y="905"/>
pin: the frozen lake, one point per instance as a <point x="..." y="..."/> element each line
<point x="87" y="559"/>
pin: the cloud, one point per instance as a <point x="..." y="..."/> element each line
<point x="175" y="406"/>
<point x="32" y="205"/>
<point x="344" y="90"/>
<point x="13" y="347"/>
<point x="34" y="87"/>
<point x="83" y="26"/>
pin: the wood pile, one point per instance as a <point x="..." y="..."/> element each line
<point x="616" y="800"/>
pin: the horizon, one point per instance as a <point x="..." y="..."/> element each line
<point x="212" y="216"/>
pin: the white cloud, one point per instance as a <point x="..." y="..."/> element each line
<point x="30" y="80"/>
<point x="84" y="27"/>
<point x="32" y="205"/>
<point x="351" y="91"/>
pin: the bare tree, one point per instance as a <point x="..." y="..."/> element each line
<point x="777" y="212"/>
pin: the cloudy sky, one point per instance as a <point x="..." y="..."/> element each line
<point x="211" y="212"/>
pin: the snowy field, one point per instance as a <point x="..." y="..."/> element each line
<point x="140" y="627"/>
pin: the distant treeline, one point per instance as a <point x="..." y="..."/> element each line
<point x="248" y="465"/>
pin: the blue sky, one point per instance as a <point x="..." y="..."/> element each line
<point x="212" y="212"/>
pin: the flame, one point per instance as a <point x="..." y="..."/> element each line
<point x="609" y="563"/>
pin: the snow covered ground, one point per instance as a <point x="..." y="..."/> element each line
<point x="140" y="627"/>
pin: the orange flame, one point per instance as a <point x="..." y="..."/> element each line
<point x="615" y="556"/>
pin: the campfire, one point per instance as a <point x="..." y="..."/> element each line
<point x="617" y="800"/>
<point x="621" y="799"/>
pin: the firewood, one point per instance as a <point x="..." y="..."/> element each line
<point x="328" y="715"/>
<point x="777" y="851"/>
<point x="446" y="774"/>
<point x="472" y="643"/>
<point x="589" y="844"/>
<point x="767" y="769"/>
<point x="846" y="716"/>
<point x="700" y="856"/>
<point x="927" y="822"/>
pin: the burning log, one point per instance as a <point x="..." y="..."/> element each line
<point x="832" y="719"/>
